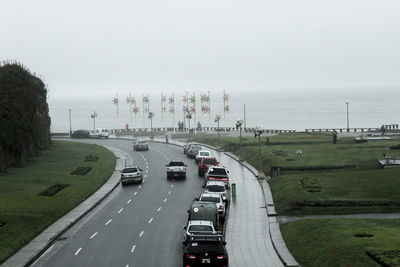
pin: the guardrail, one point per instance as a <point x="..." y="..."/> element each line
<point x="202" y="129"/>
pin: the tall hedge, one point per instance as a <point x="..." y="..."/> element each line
<point x="24" y="116"/>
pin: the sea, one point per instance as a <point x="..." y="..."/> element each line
<point x="283" y="110"/>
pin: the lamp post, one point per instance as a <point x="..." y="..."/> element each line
<point x="184" y="117"/>
<point x="217" y="118"/>
<point x="347" y="105"/>
<point x="151" y="115"/>
<point x="189" y="116"/>
<point x="258" y="131"/>
<point x="70" y="123"/>
<point x="239" y="126"/>
<point x="93" y="116"/>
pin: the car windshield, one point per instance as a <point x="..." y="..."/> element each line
<point x="176" y="163"/>
<point x="209" y="161"/>
<point x="218" y="171"/>
<point x="128" y="170"/>
<point x="210" y="199"/>
<point x="200" y="228"/>
<point x="216" y="188"/>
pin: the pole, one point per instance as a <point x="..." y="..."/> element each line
<point x="244" y="115"/>
<point x="151" y="125"/>
<point x="241" y="148"/>
<point x="218" y="129"/>
<point x="70" y="123"/>
<point x="347" y="104"/>
<point x="189" y="127"/>
<point x="259" y="152"/>
<point x="94" y="123"/>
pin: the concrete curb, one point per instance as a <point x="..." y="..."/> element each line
<point x="28" y="254"/>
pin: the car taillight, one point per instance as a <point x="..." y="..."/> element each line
<point x="224" y="194"/>
<point x="138" y="173"/>
<point x="187" y="236"/>
<point x="211" y="178"/>
<point x="225" y="179"/>
<point x="168" y="169"/>
<point x="184" y="169"/>
<point x="221" y="257"/>
<point x="122" y="175"/>
<point x="190" y="256"/>
<point x="221" y="207"/>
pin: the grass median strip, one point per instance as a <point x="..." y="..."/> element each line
<point x="26" y="212"/>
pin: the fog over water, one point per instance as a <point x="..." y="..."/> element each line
<point x="368" y="107"/>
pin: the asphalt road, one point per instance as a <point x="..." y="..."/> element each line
<point x="136" y="225"/>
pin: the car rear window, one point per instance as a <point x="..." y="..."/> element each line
<point x="128" y="170"/>
<point x="209" y="161"/>
<point x="210" y="199"/>
<point x="208" y="246"/>
<point x="216" y="188"/>
<point x="200" y="228"/>
<point x="142" y="142"/>
<point x="176" y="163"/>
<point x="218" y="171"/>
<point x="197" y="147"/>
<point x="204" y="154"/>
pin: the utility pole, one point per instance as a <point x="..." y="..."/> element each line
<point x="70" y="123"/>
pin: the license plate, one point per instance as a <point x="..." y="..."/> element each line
<point x="205" y="260"/>
<point x="176" y="174"/>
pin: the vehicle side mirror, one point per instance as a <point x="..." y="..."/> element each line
<point x="227" y="171"/>
<point x="224" y="243"/>
<point x="196" y="198"/>
<point x="184" y="227"/>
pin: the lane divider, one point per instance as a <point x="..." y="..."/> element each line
<point x="77" y="252"/>
<point x="110" y="220"/>
<point x="93" y="235"/>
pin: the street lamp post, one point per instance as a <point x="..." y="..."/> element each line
<point x="347" y="105"/>
<point x="189" y="116"/>
<point x="70" y="123"/>
<point x="239" y="125"/>
<point x="93" y="116"/>
<point x="217" y="118"/>
<point x="151" y="115"/>
<point x="258" y="131"/>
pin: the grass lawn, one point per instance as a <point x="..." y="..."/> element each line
<point x="333" y="242"/>
<point x="25" y="212"/>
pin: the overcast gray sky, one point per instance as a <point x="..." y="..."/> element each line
<point x="108" y="47"/>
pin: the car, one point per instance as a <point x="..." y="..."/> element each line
<point x="131" y="174"/>
<point x="217" y="173"/>
<point x="141" y="145"/>
<point x="100" y="133"/>
<point x="80" y="134"/>
<point x="207" y="250"/>
<point x="205" y="163"/>
<point x="204" y="211"/>
<point x="198" y="227"/>
<point x="193" y="149"/>
<point x="217" y="187"/>
<point x="201" y="154"/>
<point x="187" y="146"/>
<point x="215" y="198"/>
<point x="176" y="168"/>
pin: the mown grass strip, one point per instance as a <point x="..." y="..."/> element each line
<point x="25" y="212"/>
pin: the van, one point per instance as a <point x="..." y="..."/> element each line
<point x="204" y="211"/>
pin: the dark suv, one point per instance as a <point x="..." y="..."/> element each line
<point x="205" y="250"/>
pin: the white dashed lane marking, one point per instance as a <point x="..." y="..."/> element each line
<point x="169" y="193"/>
<point x="159" y="209"/>
<point x="120" y="210"/>
<point x="77" y="252"/>
<point x="135" y="193"/>
<point x="129" y="201"/>
<point x="172" y="185"/>
<point x="93" y="235"/>
<point x="140" y="186"/>
<point x="132" y="250"/>
<point x="110" y="220"/>
<point x="151" y="220"/>
<point x="141" y="233"/>
<point x="165" y="200"/>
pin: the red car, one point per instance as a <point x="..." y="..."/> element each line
<point x="205" y="163"/>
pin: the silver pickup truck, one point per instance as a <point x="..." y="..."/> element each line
<point x="176" y="169"/>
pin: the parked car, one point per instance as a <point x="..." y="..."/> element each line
<point x="217" y="187"/>
<point x="80" y="134"/>
<point x="207" y="250"/>
<point x="176" y="169"/>
<point x="198" y="227"/>
<point x="217" y="173"/>
<point x="131" y="174"/>
<point x="193" y="149"/>
<point x="205" y="163"/>
<point x="201" y="154"/>
<point x="141" y="145"/>
<point x="204" y="211"/>
<point x="215" y="198"/>
<point x="100" y="133"/>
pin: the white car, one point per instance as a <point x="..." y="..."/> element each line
<point x="199" y="227"/>
<point x="201" y="154"/>
<point x="215" y="198"/>
<point x="131" y="174"/>
<point x="100" y="133"/>
<point x="217" y="187"/>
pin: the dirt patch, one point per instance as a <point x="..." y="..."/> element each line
<point x="52" y="190"/>
<point x="81" y="170"/>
